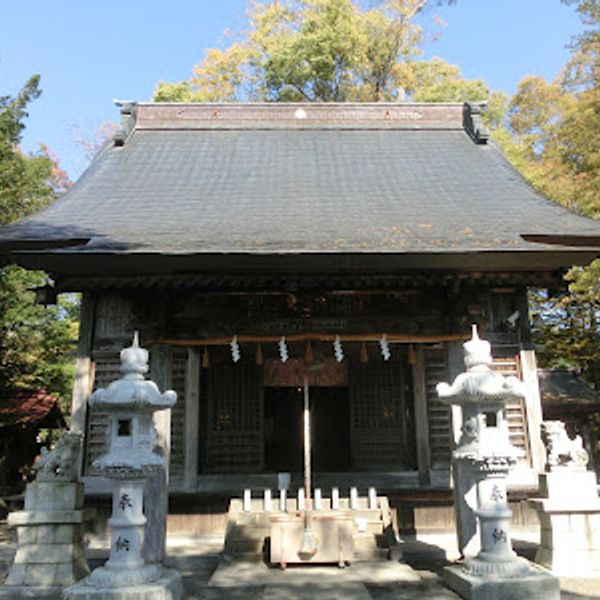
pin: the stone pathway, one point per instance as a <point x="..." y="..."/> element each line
<point x="205" y="579"/>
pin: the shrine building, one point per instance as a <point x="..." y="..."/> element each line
<point x="253" y="244"/>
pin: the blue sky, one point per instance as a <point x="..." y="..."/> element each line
<point x="91" y="52"/>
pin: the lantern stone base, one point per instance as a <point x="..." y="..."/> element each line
<point x="534" y="585"/>
<point x="168" y="587"/>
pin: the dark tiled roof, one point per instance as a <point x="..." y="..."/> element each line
<point x="565" y="392"/>
<point x="334" y="179"/>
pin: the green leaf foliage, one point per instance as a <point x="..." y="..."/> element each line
<point x="309" y="50"/>
<point x="35" y="341"/>
<point x="27" y="183"/>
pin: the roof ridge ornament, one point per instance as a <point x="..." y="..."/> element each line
<point x="473" y="123"/>
<point x="128" y="118"/>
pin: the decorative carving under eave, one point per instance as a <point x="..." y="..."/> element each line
<point x="473" y="122"/>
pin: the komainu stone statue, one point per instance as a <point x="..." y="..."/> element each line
<point x="49" y="553"/>
<point x="561" y="450"/>
<point x="60" y="463"/>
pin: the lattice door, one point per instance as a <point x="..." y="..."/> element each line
<point x="232" y="419"/>
<point x="381" y="416"/>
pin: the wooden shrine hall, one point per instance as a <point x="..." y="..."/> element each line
<point x="251" y="244"/>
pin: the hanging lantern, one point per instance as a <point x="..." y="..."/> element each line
<point x="308" y="355"/>
<point x="337" y="349"/>
<point x="205" y="358"/>
<point x="283" y="350"/>
<point x="364" y="355"/>
<point x="259" y="354"/>
<point x="235" y="350"/>
<point x="385" y="348"/>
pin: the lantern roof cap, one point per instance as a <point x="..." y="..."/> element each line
<point x="131" y="390"/>
<point x="479" y="384"/>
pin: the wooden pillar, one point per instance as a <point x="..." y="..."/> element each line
<point x="84" y="369"/>
<point x="464" y="482"/>
<point x="455" y="365"/>
<point x="156" y="504"/>
<point x="83" y="364"/>
<point x="192" y="411"/>
<point x="533" y="409"/>
<point x="421" y="418"/>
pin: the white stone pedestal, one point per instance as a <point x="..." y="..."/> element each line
<point x="465" y="481"/>
<point x="49" y="532"/>
<point x="496" y="572"/>
<point x="126" y="576"/>
<point x="536" y="585"/>
<point x="167" y="586"/>
<point x="570" y="523"/>
<point x="482" y="460"/>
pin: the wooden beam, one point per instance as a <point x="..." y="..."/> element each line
<point x="192" y="411"/>
<point x="321" y="337"/>
<point x="455" y="365"/>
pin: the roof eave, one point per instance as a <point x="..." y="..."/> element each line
<point x="153" y="263"/>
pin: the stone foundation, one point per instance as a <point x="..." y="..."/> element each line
<point x="168" y="587"/>
<point x="570" y="523"/>
<point x="49" y="554"/>
<point x="533" y="586"/>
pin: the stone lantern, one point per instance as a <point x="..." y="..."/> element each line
<point x="130" y="403"/>
<point x="484" y="456"/>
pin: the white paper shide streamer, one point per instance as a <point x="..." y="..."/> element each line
<point x="337" y="349"/>
<point x="235" y="349"/>
<point x="385" y="348"/>
<point x="283" y="350"/>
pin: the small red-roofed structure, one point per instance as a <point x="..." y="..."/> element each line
<point x="22" y="415"/>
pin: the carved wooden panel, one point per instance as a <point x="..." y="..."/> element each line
<point x="232" y="419"/>
<point x="291" y="373"/>
<point x="438" y="414"/>
<point x="381" y="415"/>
